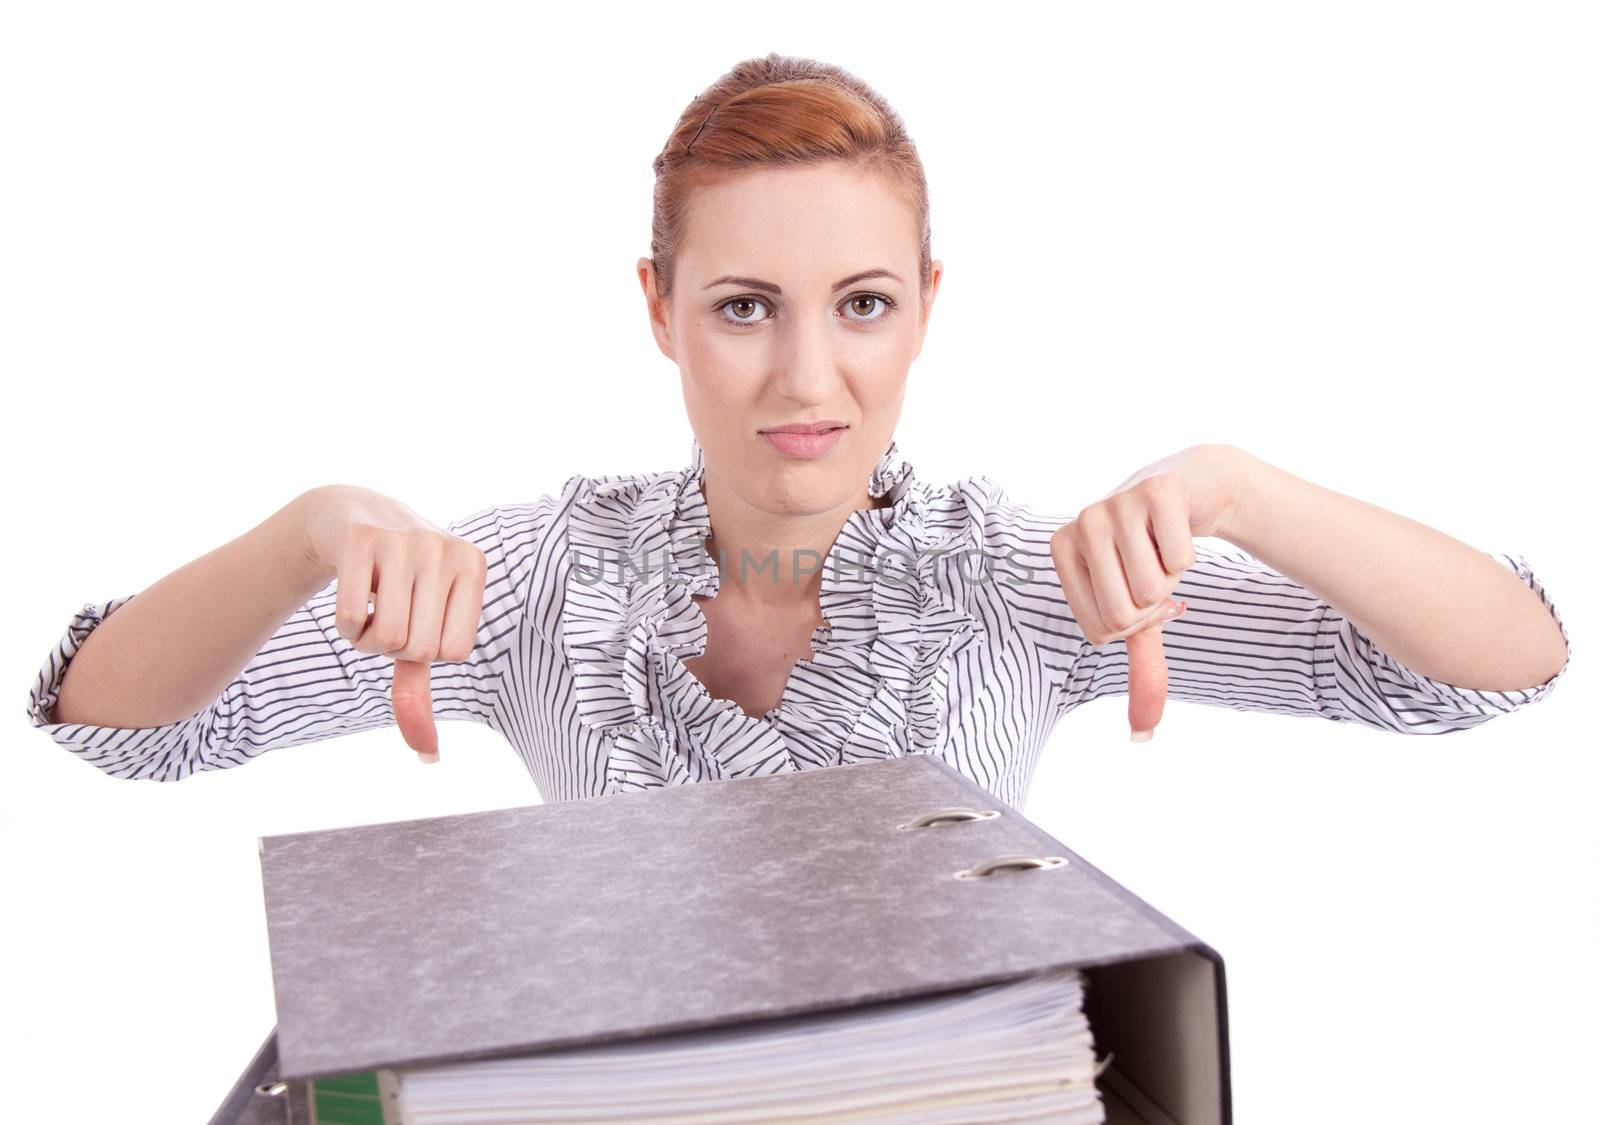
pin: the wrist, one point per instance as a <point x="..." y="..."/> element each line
<point x="287" y="532"/>
<point x="1247" y="480"/>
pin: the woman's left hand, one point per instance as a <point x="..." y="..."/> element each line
<point x="1123" y="555"/>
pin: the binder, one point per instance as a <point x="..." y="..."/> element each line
<point x="626" y="916"/>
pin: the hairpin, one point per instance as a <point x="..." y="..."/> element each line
<point x="696" y="137"/>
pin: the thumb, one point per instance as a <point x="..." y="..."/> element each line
<point x="413" y="708"/>
<point x="1147" y="681"/>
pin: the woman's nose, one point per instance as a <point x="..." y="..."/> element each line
<point x="805" y="363"/>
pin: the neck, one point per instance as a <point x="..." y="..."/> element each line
<point x="773" y="560"/>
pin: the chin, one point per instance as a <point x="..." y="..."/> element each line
<point x="803" y="488"/>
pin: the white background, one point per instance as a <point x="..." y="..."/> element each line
<point x="247" y="250"/>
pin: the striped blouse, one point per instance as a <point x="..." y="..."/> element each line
<point x="946" y="632"/>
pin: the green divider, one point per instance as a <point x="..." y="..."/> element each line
<point x="348" y="1099"/>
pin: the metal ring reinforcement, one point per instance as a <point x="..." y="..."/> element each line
<point x="952" y="815"/>
<point x="1012" y="862"/>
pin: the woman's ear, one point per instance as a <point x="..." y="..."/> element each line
<point x="656" y="307"/>
<point x="936" y="271"/>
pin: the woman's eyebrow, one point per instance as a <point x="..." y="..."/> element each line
<point x="756" y="283"/>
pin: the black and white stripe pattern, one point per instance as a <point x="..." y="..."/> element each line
<point x="947" y="633"/>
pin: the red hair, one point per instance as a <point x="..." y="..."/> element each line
<point x="779" y="111"/>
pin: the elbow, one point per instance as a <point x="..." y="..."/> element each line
<point x="1548" y="654"/>
<point x="1542" y="648"/>
<point x="1558" y="654"/>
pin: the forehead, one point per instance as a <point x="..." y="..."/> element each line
<point x="796" y="225"/>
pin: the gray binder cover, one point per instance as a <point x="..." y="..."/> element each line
<point x="526" y="929"/>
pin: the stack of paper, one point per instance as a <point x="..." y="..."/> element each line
<point x="1017" y="1051"/>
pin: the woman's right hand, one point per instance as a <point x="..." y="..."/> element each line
<point x="424" y="585"/>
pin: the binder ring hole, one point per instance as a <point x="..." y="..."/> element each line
<point x="272" y="1089"/>
<point x="952" y="815"/>
<point x="1011" y="863"/>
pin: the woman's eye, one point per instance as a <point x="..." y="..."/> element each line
<point x="863" y="302"/>
<point x="741" y="310"/>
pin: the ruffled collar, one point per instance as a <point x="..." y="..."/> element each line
<point x="892" y="471"/>
<point x="873" y="688"/>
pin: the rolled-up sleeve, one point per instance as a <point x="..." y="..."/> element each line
<point x="1361" y="683"/>
<point x="1253" y="639"/>
<point x="308" y="683"/>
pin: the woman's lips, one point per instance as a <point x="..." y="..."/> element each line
<point x="797" y="443"/>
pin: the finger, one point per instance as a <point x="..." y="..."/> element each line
<point x="1147" y="682"/>
<point x="1169" y="521"/>
<point x="413" y="708"/>
<point x="428" y="594"/>
<point x="1113" y="604"/>
<point x="462" y="616"/>
<point x="1073" y="574"/>
<point x="390" y="625"/>
<point x="1142" y="569"/>
<point x="352" y="603"/>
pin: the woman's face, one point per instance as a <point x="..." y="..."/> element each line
<point x="795" y="300"/>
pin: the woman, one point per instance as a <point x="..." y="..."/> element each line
<point x="796" y="597"/>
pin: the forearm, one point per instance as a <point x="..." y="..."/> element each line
<point x="172" y="649"/>
<point x="1435" y="604"/>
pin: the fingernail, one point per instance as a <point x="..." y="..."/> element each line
<point x="1140" y="736"/>
<point x="432" y="756"/>
<point x="1174" y="609"/>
